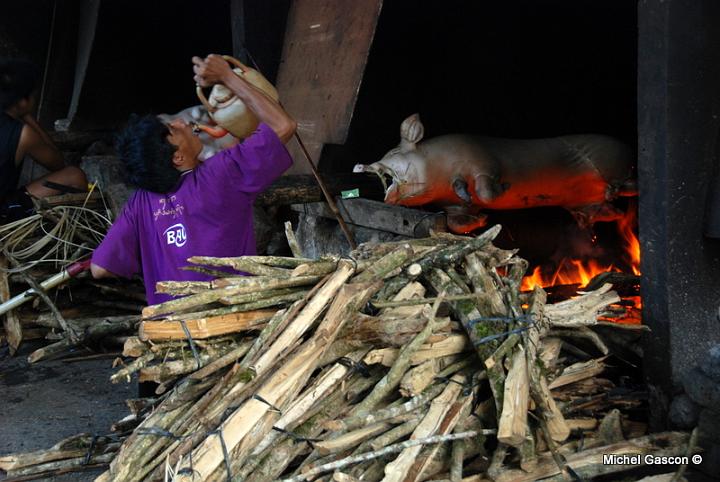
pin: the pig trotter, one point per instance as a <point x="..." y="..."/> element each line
<point x="461" y="189"/>
<point x="487" y="188"/>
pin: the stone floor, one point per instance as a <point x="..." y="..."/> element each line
<point x="41" y="404"/>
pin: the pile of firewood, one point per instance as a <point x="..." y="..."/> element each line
<point x="42" y="252"/>
<point x="409" y="361"/>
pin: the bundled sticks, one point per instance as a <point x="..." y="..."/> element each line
<point x="408" y="361"/>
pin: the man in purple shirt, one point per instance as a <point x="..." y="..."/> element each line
<point x="187" y="208"/>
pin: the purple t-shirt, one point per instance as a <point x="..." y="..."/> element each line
<point x="209" y="214"/>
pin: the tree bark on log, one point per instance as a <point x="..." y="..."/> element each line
<point x="13" y="330"/>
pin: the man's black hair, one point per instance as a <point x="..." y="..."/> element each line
<point x="147" y="154"/>
<point x="18" y="79"/>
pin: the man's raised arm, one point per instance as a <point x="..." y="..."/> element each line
<point x="213" y="69"/>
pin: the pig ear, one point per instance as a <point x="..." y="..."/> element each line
<point x="411" y="132"/>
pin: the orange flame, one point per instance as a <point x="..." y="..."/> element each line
<point x="573" y="271"/>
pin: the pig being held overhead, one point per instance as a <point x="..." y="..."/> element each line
<point x="466" y="173"/>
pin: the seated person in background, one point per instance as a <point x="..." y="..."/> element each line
<point x="186" y="208"/>
<point x="21" y="135"/>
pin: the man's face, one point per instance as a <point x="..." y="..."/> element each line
<point x="187" y="143"/>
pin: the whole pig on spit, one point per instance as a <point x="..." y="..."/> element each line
<point x="467" y="173"/>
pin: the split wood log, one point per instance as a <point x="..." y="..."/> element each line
<point x="383" y="331"/>
<point x="412" y="291"/>
<point x="583" y="310"/>
<point x="275" y="459"/>
<point x="352" y="439"/>
<point x="74" y="446"/>
<point x="423" y="301"/>
<point x="204" y="327"/>
<point x="126" y="372"/>
<point x="230" y="357"/>
<point x="450" y="255"/>
<point x="484" y="284"/>
<point x="528" y="452"/>
<point x="245" y="285"/>
<point x="325" y="383"/>
<point x="292" y="240"/>
<point x="610" y="430"/>
<point x="316" y="268"/>
<point x="13" y="329"/>
<point x="60" y="467"/>
<point x="385" y="265"/>
<point x="104" y="327"/>
<point x="582" y="332"/>
<point x="135" y="348"/>
<point x="581" y="423"/>
<point x="453" y="344"/>
<point x="468" y="314"/>
<point x="262" y="283"/>
<point x="208" y="456"/>
<point x="182" y="288"/>
<point x="512" y="426"/>
<point x="242" y="264"/>
<point x="539" y="390"/>
<point x="209" y="405"/>
<point x="588" y="464"/>
<point x="400" y="366"/>
<point x="381" y="453"/>
<point x="419" y="377"/>
<point x="549" y="351"/>
<point x="363" y="418"/>
<point x="579" y="371"/>
<point x="273" y="300"/>
<point x="172" y="369"/>
<point x="396" y="470"/>
<point x="423" y="467"/>
<point x="251" y="302"/>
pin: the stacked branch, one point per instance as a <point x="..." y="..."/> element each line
<point x="405" y="363"/>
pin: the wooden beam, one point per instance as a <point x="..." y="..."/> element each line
<point x="326" y="47"/>
<point x="378" y="215"/>
<point x="303" y="188"/>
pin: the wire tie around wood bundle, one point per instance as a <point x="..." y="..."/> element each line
<point x="226" y="456"/>
<point x="359" y="367"/>
<point x="526" y="321"/>
<point x="88" y="455"/>
<point x="193" y="347"/>
<point x="261" y="399"/>
<point x="296" y="438"/>
<point x="189" y="470"/>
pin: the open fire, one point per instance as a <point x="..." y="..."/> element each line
<point x="579" y="272"/>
